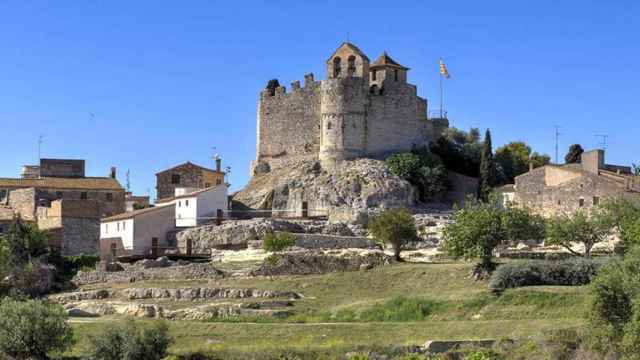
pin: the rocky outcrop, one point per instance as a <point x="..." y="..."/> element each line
<point x="357" y="185"/>
<point x="139" y="273"/>
<point x="187" y="294"/>
<point x="319" y="262"/>
<point x="231" y="233"/>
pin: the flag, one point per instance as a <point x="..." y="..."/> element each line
<point x="443" y="70"/>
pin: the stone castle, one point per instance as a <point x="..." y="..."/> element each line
<point x="359" y="110"/>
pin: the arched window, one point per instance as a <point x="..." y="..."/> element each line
<point x="351" y="69"/>
<point x="336" y="66"/>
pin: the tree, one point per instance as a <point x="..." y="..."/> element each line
<point x="635" y="169"/>
<point x="479" y="227"/>
<point x="459" y="150"/>
<point x="579" y="227"/>
<point x="625" y="218"/>
<point x="514" y="159"/>
<point x="487" y="169"/>
<point x="574" y="156"/>
<point x="32" y="329"/>
<point x="394" y="227"/>
<point x="613" y="321"/>
<point x="422" y="169"/>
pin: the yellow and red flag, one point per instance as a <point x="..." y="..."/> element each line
<point x="443" y="69"/>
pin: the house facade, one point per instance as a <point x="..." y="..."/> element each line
<point x="195" y="208"/>
<point x="187" y="175"/>
<point x="560" y="189"/>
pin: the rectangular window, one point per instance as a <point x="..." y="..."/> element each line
<point x="179" y="203"/>
<point x="124" y="225"/>
<point x="186" y="202"/>
<point x="395" y="74"/>
<point x="373" y="75"/>
<point x="59" y="195"/>
<point x="109" y="197"/>
<point x="175" y="179"/>
<point x="581" y="202"/>
<point x="596" y="201"/>
<point x="83" y="196"/>
<point x="117" y="226"/>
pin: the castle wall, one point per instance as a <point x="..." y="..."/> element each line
<point x="289" y="125"/>
<point x="396" y="120"/>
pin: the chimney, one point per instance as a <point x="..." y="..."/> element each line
<point x="113" y="172"/>
<point x="218" y="164"/>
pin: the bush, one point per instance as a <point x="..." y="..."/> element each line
<point x="395" y="227"/>
<point x="32" y="329"/>
<point x="400" y="309"/>
<point x="540" y="272"/>
<point x="422" y="169"/>
<point x="278" y="241"/>
<point x="131" y="341"/>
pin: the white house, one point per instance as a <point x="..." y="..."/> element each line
<point x="141" y="232"/>
<point x="197" y="207"/>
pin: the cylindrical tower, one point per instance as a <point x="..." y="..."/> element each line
<point x="344" y="121"/>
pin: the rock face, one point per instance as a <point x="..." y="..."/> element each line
<point x="234" y="233"/>
<point x="357" y="185"/>
<point x="132" y="273"/>
<point x="318" y="262"/>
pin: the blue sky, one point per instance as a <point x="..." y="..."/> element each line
<point x="167" y="80"/>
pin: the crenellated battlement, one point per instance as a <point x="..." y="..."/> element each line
<point x="359" y="110"/>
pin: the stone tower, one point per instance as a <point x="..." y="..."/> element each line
<point x="343" y="106"/>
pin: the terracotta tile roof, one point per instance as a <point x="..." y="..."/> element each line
<point x="386" y="61"/>
<point x="353" y="48"/>
<point x="132" y="214"/>
<point x="189" y="195"/>
<point x="86" y="183"/>
<point x="188" y="163"/>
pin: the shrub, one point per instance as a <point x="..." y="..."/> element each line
<point x="278" y="241"/>
<point x="540" y="272"/>
<point x="395" y="227"/>
<point x="131" y="341"/>
<point x="422" y="169"/>
<point x="400" y="309"/>
<point x="32" y="329"/>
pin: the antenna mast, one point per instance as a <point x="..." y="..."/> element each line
<point x="604" y="140"/>
<point x="40" y="141"/>
<point x="557" y="141"/>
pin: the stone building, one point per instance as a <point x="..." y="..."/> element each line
<point x="359" y="110"/>
<point x="187" y="175"/>
<point x="136" y="202"/>
<point x="557" y="189"/>
<point x="62" y="200"/>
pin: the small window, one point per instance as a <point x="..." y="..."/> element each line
<point x="118" y="226"/>
<point x="179" y="203"/>
<point x="336" y="67"/>
<point x="559" y="202"/>
<point x="218" y="181"/>
<point x="374" y="73"/>
<point x="83" y="195"/>
<point x="351" y="67"/>
<point x="175" y="179"/>
<point x="395" y="74"/>
<point x="124" y="225"/>
<point x="106" y="228"/>
<point x="596" y="201"/>
<point x="581" y="203"/>
<point x="59" y="194"/>
<point x="328" y="125"/>
<point x="186" y="202"/>
<point x="109" y="197"/>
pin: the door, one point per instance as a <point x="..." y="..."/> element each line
<point x="154" y="247"/>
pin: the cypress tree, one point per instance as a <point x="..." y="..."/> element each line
<point x="487" y="169"/>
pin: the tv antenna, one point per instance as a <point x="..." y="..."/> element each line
<point x="40" y="141"/>
<point x="603" y="143"/>
<point x="128" y="181"/>
<point x="557" y="127"/>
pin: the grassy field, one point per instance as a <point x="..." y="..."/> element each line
<point x="330" y="313"/>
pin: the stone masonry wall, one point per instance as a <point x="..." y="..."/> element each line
<point x="288" y="124"/>
<point x="191" y="176"/>
<point x="81" y="236"/>
<point x="23" y="201"/>
<point x="323" y="241"/>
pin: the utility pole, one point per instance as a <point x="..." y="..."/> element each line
<point x="557" y="141"/>
<point x="40" y="141"/>
<point x="604" y="140"/>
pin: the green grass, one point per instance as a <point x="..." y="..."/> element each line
<point x="403" y="304"/>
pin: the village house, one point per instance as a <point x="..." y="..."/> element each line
<point x="557" y="189"/>
<point x="136" y="202"/>
<point x="150" y="232"/>
<point x="60" y="199"/>
<point x="187" y="175"/>
<point x="195" y="207"/>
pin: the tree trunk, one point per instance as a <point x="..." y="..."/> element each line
<point x="396" y="253"/>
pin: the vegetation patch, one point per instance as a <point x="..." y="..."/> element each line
<point x="278" y="241"/>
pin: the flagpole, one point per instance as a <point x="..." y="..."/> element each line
<point x="441" y="94"/>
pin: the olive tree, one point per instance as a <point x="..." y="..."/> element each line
<point x="394" y="227"/>
<point x="588" y="229"/>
